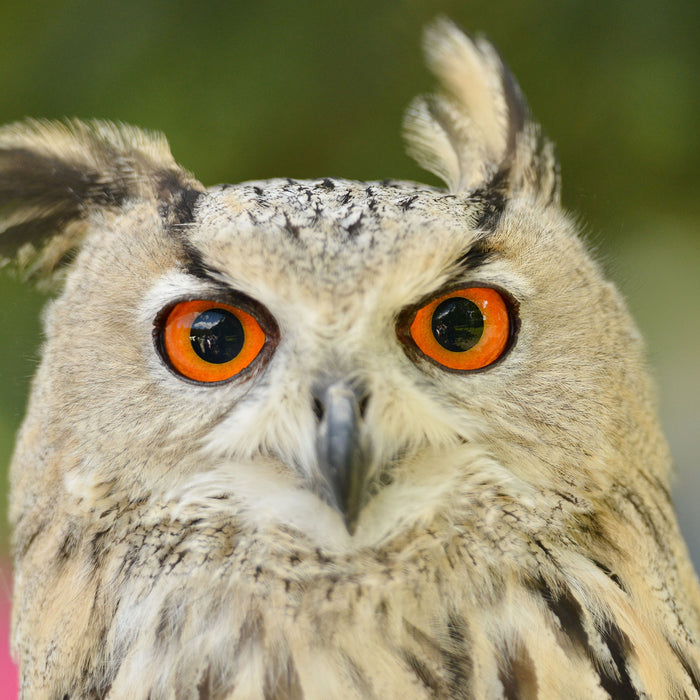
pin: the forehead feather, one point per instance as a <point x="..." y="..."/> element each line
<point x="331" y="230"/>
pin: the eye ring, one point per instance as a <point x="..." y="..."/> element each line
<point x="463" y="330"/>
<point x="208" y="341"/>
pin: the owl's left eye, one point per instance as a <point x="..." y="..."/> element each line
<point x="466" y="329"/>
<point x="208" y="341"/>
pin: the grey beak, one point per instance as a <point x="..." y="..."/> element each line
<point x="341" y="458"/>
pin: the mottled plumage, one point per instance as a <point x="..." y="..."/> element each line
<point x="346" y="516"/>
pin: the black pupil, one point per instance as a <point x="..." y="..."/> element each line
<point x="217" y="336"/>
<point x="457" y="324"/>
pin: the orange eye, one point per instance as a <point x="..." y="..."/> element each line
<point x="210" y="342"/>
<point x="465" y="329"/>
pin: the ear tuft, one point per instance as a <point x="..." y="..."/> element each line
<point x="478" y="127"/>
<point x="53" y="175"/>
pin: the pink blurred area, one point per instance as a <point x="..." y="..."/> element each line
<point x="9" y="684"/>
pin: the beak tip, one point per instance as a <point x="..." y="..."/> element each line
<point x="350" y="523"/>
<point x="348" y="515"/>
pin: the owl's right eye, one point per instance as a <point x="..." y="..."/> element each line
<point x="209" y="342"/>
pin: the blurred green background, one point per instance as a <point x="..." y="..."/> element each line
<point x="260" y="89"/>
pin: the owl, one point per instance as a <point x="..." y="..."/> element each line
<point x="332" y="439"/>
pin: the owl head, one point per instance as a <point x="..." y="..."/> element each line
<point x="344" y="358"/>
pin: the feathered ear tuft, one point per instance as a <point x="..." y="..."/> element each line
<point x="53" y="175"/>
<point x="478" y="129"/>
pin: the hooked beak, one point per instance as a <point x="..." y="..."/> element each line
<point x="342" y="459"/>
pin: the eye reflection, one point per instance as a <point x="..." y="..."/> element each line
<point x="457" y="324"/>
<point x="217" y="336"/>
